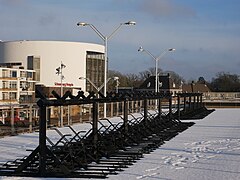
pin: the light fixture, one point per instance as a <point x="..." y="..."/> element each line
<point x="171" y="49"/>
<point x="130" y="23"/>
<point x="82" y="24"/>
<point x="140" y="49"/>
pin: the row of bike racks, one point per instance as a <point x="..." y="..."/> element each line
<point x="107" y="147"/>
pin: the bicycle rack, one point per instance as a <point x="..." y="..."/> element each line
<point x="107" y="147"/>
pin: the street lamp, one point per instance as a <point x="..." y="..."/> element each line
<point x="96" y="87"/>
<point x="59" y="72"/>
<point x="156" y="62"/>
<point x="105" y="39"/>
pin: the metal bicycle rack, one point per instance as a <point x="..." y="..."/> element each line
<point x="107" y="147"/>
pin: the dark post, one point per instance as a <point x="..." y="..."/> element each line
<point x="145" y="109"/>
<point x="198" y="101"/>
<point x="184" y="103"/>
<point x="95" y="124"/>
<point x="179" y="111"/>
<point x="190" y="102"/>
<point x="170" y="107"/>
<point x="159" y="108"/>
<point x="42" y="140"/>
<point x="194" y="102"/>
<point x="125" y="116"/>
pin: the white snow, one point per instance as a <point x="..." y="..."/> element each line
<point x="209" y="150"/>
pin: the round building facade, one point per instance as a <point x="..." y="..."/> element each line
<point x="76" y="59"/>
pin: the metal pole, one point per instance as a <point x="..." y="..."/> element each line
<point x="184" y="103"/>
<point x="95" y="126"/>
<point x="197" y="101"/>
<point x="30" y="118"/>
<point x="194" y="102"/>
<point x="125" y="116"/>
<point x="156" y="80"/>
<point x="69" y="123"/>
<point x="117" y="108"/>
<point x="42" y="141"/>
<point x="145" y="110"/>
<point x="111" y="109"/>
<point x="81" y="107"/>
<point x="170" y="108"/>
<point x="61" y="107"/>
<point x="160" y="108"/>
<point x="105" y="75"/>
<point x="201" y="101"/>
<point x="190" y="102"/>
<point x="12" y="120"/>
<point x="179" y="112"/>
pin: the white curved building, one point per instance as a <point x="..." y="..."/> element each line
<point x="81" y="60"/>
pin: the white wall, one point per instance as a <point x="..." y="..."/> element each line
<point x="51" y="53"/>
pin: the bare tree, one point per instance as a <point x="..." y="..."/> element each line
<point x="135" y="80"/>
<point x="150" y="72"/>
<point x="226" y="82"/>
<point x="177" y="79"/>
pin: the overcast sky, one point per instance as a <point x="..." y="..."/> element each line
<point x="205" y="33"/>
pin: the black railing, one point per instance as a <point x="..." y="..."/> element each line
<point x="107" y="147"/>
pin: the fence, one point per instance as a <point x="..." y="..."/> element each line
<point x="105" y="148"/>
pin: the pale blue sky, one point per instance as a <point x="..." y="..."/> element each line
<point x="205" y="33"/>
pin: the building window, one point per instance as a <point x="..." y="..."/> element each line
<point x="5" y="73"/>
<point x="13" y="84"/>
<point x="29" y="75"/>
<point x="5" y="84"/>
<point x="23" y="74"/>
<point x="34" y="64"/>
<point x="94" y="69"/>
<point x="13" y="74"/>
<point x="12" y="95"/>
<point x="5" y="96"/>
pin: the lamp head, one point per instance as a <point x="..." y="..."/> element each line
<point x="130" y="23"/>
<point x="82" y="24"/>
<point x="58" y="70"/>
<point x="63" y="65"/>
<point x="81" y="78"/>
<point x="116" y="78"/>
<point x="171" y="49"/>
<point x="140" y="49"/>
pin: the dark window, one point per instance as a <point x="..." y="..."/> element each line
<point x="94" y="69"/>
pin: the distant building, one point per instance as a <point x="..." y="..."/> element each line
<point x="16" y="84"/>
<point x="196" y="88"/>
<point x="166" y="84"/>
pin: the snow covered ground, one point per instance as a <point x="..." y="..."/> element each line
<point x="209" y="150"/>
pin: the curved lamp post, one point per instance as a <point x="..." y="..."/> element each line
<point x="156" y="63"/>
<point x="59" y="72"/>
<point x="105" y="39"/>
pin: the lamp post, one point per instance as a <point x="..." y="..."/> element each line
<point x="97" y="88"/>
<point x="156" y="62"/>
<point x="59" y="71"/>
<point x="105" y="39"/>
